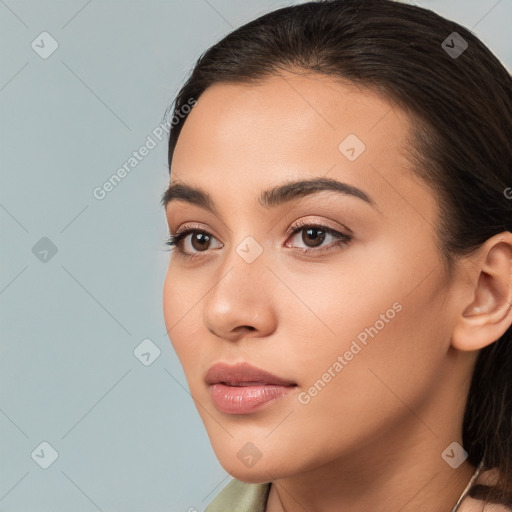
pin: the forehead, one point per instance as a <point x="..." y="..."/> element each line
<point x="250" y="137"/>
<point x="289" y="117"/>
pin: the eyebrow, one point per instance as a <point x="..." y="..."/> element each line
<point x="272" y="197"/>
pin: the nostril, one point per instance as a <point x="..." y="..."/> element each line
<point x="249" y="327"/>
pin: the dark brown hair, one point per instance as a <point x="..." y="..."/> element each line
<point x="461" y="105"/>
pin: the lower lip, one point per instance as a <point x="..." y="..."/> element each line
<point x="245" y="399"/>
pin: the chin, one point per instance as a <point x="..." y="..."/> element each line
<point x="258" y="471"/>
<point x="250" y="475"/>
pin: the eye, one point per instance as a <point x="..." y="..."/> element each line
<point x="313" y="236"/>
<point x="199" y="241"/>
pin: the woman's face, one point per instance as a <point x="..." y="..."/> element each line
<point x="361" y="327"/>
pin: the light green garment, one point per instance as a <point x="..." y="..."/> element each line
<point x="240" y="496"/>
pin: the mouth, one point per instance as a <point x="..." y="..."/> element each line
<point x="243" y="374"/>
<point x="241" y="384"/>
<point x="243" y="388"/>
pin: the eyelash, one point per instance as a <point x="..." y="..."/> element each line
<point x="175" y="241"/>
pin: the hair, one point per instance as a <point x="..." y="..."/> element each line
<point x="460" y="144"/>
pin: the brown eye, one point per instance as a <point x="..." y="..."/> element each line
<point x="314" y="235"/>
<point x="190" y="243"/>
<point x="200" y="241"/>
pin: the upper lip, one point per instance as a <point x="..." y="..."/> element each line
<point x="242" y="374"/>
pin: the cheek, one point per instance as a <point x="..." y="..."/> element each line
<point x="376" y="383"/>
<point x="355" y="298"/>
<point x="179" y="314"/>
<point x="373" y="324"/>
<point x="171" y="302"/>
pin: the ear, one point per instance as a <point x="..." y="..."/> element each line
<point x="487" y="299"/>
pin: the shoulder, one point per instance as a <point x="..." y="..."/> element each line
<point x="489" y="477"/>
<point x="240" y="496"/>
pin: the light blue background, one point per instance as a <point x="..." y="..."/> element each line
<point x="128" y="436"/>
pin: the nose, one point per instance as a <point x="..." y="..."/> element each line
<point x="241" y="303"/>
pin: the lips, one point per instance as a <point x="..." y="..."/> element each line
<point x="243" y="374"/>
<point x="243" y="388"/>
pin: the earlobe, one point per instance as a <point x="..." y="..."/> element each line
<point x="489" y="312"/>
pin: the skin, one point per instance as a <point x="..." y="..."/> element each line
<point x="372" y="439"/>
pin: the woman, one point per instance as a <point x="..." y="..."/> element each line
<point x="340" y="288"/>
